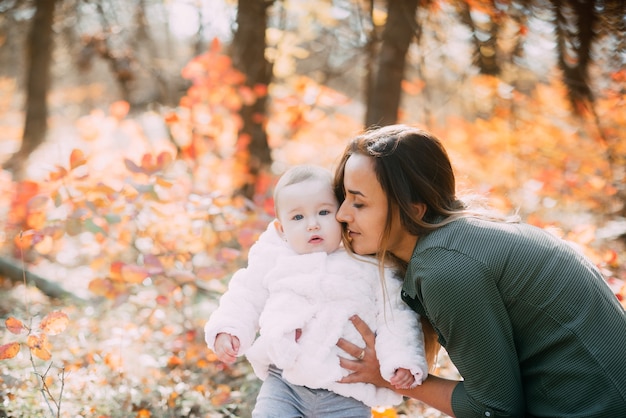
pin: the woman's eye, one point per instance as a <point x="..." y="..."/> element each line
<point x="357" y="205"/>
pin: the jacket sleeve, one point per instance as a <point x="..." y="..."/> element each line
<point x="399" y="337"/>
<point x="240" y="307"/>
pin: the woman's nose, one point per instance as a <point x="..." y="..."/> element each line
<point x="342" y="213"/>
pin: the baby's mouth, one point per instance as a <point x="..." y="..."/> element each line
<point x="316" y="240"/>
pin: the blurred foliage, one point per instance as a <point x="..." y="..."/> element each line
<point x="135" y="213"/>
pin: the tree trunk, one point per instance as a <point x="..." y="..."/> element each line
<point x="486" y="47"/>
<point x="574" y="40"/>
<point x="384" y="101"/>
<point x="249" y="57"/>
<point x="39" y="58"/>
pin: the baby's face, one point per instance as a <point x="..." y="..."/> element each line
<point x="306" y="214"/>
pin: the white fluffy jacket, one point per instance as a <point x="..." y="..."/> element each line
<point x="281" y="291"/>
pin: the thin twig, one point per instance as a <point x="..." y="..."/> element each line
<point x="44" y="387"/>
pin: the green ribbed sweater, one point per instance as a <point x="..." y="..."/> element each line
<point x="528" y="321"/>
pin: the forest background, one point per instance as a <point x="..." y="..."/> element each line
<point x="140" y="141"/>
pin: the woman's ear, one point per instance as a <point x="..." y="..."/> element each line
<point x="420" y="209"/>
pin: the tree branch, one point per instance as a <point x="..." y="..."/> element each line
<point x="17" y="274"/>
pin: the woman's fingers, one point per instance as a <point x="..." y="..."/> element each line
<point x="364" y="366"/>
<point x="368" y="336"/>
<point x="352" y="349"/>
<point x="354" y="367"/>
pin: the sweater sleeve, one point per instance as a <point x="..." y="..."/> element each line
<point x="240" y="307"/>
<point x="399" y="337"/>
<point x="462" y="299"/>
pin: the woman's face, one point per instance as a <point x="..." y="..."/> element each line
<point x="364" y="211"/>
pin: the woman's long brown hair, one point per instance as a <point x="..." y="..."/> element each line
<point x="412" y="167"/>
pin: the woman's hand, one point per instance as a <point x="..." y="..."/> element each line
<point x="434" y="391"/>
<point x="364" y="367"/>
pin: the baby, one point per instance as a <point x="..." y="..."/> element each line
<point x="299" y="290"/>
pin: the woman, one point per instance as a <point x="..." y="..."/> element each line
<point x="529" y="322"/>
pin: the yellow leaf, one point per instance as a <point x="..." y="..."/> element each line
<point x="384" y="413"/>
<point x="39" y="346"/>
<point x="9" y="350"/>
<point x="54" y="323"/>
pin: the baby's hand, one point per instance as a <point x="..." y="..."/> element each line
<point x="402" y="379"/>
<point x="226" y="347"/>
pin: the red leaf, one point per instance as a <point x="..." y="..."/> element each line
<point x="9" y="350"/>
<point x="14" y="325"/>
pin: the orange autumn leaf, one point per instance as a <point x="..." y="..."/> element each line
<point x="133" y="274"/>
<point x="14" y="325"/>
<point x="58" y="174"/>
<point x="54" y="323"/>
<point x="77" y="158"/>
<point x="24" y="192"/>
<point x="36" y="220"/>
<point x="221" y="395"/>
<point x="174" y="361"/>
<point x="260" y="90"/>
<point x="413" y="87"/>
<point x="39" y="346"/>
<point x="611" y="258"/>
<point x="163" y="183"/>
<point x="171" y="401"/>
<point x="114" y="361"/>
<point x="119" y="109"/>
<point x="384" y="413"/>
<point x="102" y="287"/>
<point x="9" y="350"/>
<point x="147" y="163"/>
<point x="116" y="270"/>
<point x="171" y="117"/>
<point x="24" y="239"/>
<point x="143" y="413"/>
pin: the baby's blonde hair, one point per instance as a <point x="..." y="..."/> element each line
<point x="300" y="174"/>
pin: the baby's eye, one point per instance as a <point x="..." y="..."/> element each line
<point x="297" y="217"/>
<point x="324" y="212"/>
